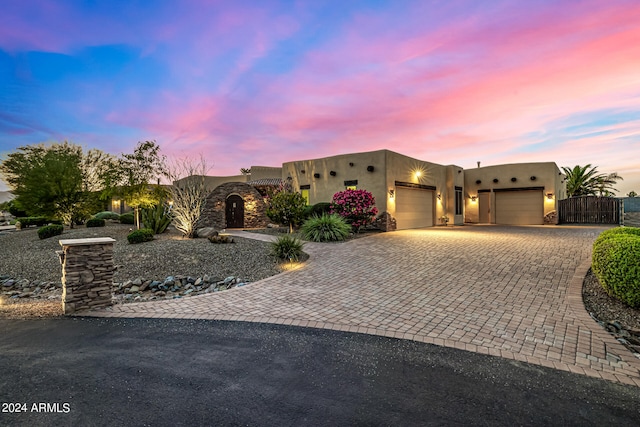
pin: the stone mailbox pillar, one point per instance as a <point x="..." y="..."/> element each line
<point x="87" y="273"/>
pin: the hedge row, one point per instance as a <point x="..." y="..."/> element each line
<point x="616" y="263"/>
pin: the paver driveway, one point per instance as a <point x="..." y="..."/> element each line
<point x="513" y="292"/>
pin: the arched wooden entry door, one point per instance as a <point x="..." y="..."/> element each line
<point x="234" y="211"/>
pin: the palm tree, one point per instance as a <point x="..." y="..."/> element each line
<point x="586" y="181"/>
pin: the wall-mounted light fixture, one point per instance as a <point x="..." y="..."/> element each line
<point x="392" y="193"/>
<point x="370" y="168"/>
<point x="549" y="196"/>
<point x="474" y="198"/>
<point x="316" y="175"/>
<point x="332" y="173"/>
<point x="439" y="196"/>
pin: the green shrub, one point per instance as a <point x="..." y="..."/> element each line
<point x="287" y="248"/>
<point x="616" y="264"/>
<point x="156" y="218"/>
<point x="50" y="231"/>
<point x="318" y="209"/>
<point x="619" y="231"/>
<point x="107" y="215"/>
<point x="325" y="228"/>
<point x="139" y="236"/>
<point x="220" y="239"/>
<point x="38" y="221"/>
<point x="96" y="222"/>
<point x="127" y="218"/>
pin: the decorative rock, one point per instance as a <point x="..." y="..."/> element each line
<point x="133" y="289"/>
<point x="206" y="232"/>
<point x="9" y="283"/>
<point x="145" y="285"/>
<point x="169" y="281"/>
<point x="137" y="281"/>
<point x="198" y="282"/>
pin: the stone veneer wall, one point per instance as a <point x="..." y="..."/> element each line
<point x="214" y="209"/>
<point x="87" y="273"/>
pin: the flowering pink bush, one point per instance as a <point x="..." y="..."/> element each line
<point x="357" y="207"/>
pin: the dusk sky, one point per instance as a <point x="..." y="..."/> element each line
<point x="263" y="82"/>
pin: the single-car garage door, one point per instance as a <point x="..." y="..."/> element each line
<point x="519" y="207"/>
<point x="414" y="208"/>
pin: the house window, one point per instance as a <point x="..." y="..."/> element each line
<point x="458" y="200"/>
<point x="351" y="185"/>
<point x="304" y="190"/>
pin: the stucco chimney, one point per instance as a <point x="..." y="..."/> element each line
<point x="478" y="164"/>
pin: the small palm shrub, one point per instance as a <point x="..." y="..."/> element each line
<point x="616" y="264"/>
<point x="140" y="236"/>
<point x="107" y="215"/>
<point x="220" y="239"/>
<point x="127" y="218"/>
<point x="96" y="222"/>
<point x="287" y="248"/>
<point x="50" y="231"/>
<point x="325" y="228"/>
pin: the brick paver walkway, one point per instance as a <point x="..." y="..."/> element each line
<point x="513" y="292"/>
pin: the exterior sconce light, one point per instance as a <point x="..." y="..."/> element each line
<point x="316" y="175"/>
<point x="302" y="171"/>
<point x="370" y="168"/>
<point x="514" y="179"/>
<point x="332" y="173"/>
<point x="391" y="193"/>
<point x="474" y="198"/>
<point x="439" y="196"/>
<point x="549" y="196"/>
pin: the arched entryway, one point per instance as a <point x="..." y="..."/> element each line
<point x="234" y="211"/>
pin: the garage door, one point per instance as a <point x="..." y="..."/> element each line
<point x="519" y="207"/>
<point x="414" y="208"/>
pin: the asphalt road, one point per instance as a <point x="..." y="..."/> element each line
<point x="91" y="371"/>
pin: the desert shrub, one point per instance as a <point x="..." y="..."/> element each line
<point x="287" y="247"/>
<point x="127" y="218"/>
<point x="96" y="222"/>
<point x="38" y="221"/>
<point x="325" y="228"/>
<point x="286" y="208"/>
<point x="318" y="209"/>
<point x="616" y="264"/>
<point x="220" y="239"/>
<point x="107" y="215"/>
<point x="156" y="218"/>
<point x="357" y="207"/>
<point x="139" y="236"/>
<point x="50" y="231"/>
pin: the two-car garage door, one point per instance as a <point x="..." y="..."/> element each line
<point x="414" y="208"/>
<point x="524" y="207"/>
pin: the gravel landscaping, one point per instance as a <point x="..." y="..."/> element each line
<point x="27" y="258"/>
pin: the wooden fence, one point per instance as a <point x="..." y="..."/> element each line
<point x="589" y="210"/>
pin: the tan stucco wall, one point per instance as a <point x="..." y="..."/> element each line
<point x="403" y="168"/>
<point x="323" y="188"/>
<point x="547" y="175"/>
<point x="389" y="167"/>
<point x="263" y="172"/>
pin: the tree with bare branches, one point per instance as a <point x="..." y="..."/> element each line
<point x="188" y="193"/>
